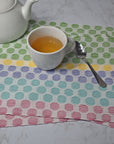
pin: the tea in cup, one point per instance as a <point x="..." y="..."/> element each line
<point x="48" y="46"/>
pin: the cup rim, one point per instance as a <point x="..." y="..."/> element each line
<point x="43" y="52"/>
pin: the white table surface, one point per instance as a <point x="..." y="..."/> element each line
<point x="91" y="12"/>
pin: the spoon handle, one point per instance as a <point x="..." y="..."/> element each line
<point x="98" y="78"/>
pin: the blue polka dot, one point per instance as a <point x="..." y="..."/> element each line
<point x="19" y="95"/>
<point x="41" y="89"/>
<point x="75" y="85"/>
<point x="3" y="73"/>
<point x="11" y="68"/>
<point x="102" y="73"/>
<point x="89" y="86"/>
<point x="50" y="71"/>
<point x="96" y="94"/>
<point x="69" y="78"/>
<point x="82" y="93"/>
<point x="37" y="70"/>
<point x="1" y="67"/>
<point x="63" y="71"/>
<point x="17" y="74"/>
<point x="88" y="73"/>
<point x="110" y="94"/>
<point x="8" y="80"/>
<point x="76" y="72"/>
<point x="94" y="80"/>
<point x="62" y="84"/>
<point x="75" y="100"/>
<point x="30" y="75"/>
<point x="69" y="92"/>
<point x="35" y="82"/>
<point x="43" y="76"/>
<point x="21" y="81"/>
<point x="27" y="88"/>
<point x="104" y="102"/>
<point x="25" y="69"/>
<point x="109" y="81"/>
<point x="112" y="73"/>
<point x="82" y="79"/>
<point x="49" y="83"/>
<point x="90" y="101"/>
<point x="2" y="87"/>
<point x="55" y="91"/>
<point x="56" y="77"/>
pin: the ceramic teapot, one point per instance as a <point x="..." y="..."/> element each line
<point x="14" y="19"/>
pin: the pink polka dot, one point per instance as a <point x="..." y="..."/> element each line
<point x="98" y="109"/>
<point x="33" y="120"/>
<point x="83" y="108"/>
<point x="32" y="112"/>
<point x="106" y="118"/>
<point x="76" y="115"/>
<point x="11" y="103"/>
<point x="3" y="123"/>
<point x="48" y="120"/>
<point x="91" y="116"/>
<point x="17" y="122"/>
<point x="25" y="103"/>
<point x="63" y="120"/>
<point x="17" y="111"/>
<point x="61" y="114"/>
<point x="98" y="122"/>
<point x="3" y="110"/>
<point x="0" y="102"/>
<point x="69" y="107"/>
<point x="40" y="105"/>
<point x="111" y="124"/>
<point x="9" y="116"/>
<point x="111" y="110"/>
<point x="54" y="106"/>
<point x="47" y="113"/>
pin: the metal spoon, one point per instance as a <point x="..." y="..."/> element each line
<point x="80" y="53"/>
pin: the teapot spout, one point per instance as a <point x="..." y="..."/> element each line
<point x="26" y="9"/>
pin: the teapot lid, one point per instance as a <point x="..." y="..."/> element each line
<point x="5" y="5"/>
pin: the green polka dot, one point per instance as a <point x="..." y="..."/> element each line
<point x="3" y="56"/>
<point x="35" y="26"/>
<point x="75" y="85"/>
<point x="94" y="44"/>
<point x="55" y="91"/>
<point x="101" y="61"/>
<point x="106" y="44"/>
<point x="6" y="45"/>
<point x="32" y="21"/>
<point x="75" y="25"/>
<point x="17" y="45"/>
<point x="15" y="56"/>
<point x="111" y="39"/>
<point x="110" y="94"/>
<point x="104" y="102"/>
<point x="87" y="38"/>
<point x="86" y="27"/>
<point x="27" y="88"/>
<point x="2" y="87"/>
<point x="19" y="95"/>
<point x="33" y="96"/>
<point x="94" y="55"/>
<point x="52" y="23"/>
<point x="42" y="22"/>
<point x="63" y="24"/>
<point x="111" y="61"/>
<point x="69" y="92"/>
<point x="35" y="82"/>
<point x="98" y="27"/>
<point x="90" y="60"/>
<point x="1" y="50"/>
<point x="88" y="49"/>
<point x="100" y="39"/>
<point x="65" y="60"/>
<point x="82" y="93"/>
<point x="68" y="29"/>
<point x="24" y="41"/>
<point x="103" y="32"/>
<point x="109" y="28"/>
<point x="100" y="49"/>
<point x="74" y="34"/>
<point x="49" y="83"/>
<point x="13" y="88"/>
<point x="83" y="43"/>
<point x="111" y="49"/>
<point x="8" y="81"/>
<point x="27" y="57"/>
<point x="77" y="38"/>
<point x="75" y="100"/>
<point x="92" y="31"/>
<point x="47" y="98"/>
<point x="71" y="54"/>
<point x="89" y="86"/>
<point x="10" y="50"/>
<point x="22" y="51"/>
<point x="76" y="60"/>
<point x="22" y="82"/>
<point x="5" y="95"/>
<point x="61" y="99"/>
<point x="112" y="33"/>
<point x="62" y="84"/>
<point x="106" y="55"/>
<point x="96" y="94"/>
<point x="90" y="101"/>
<point x="41" y="89"/>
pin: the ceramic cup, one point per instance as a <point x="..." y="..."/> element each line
<point x="48" y="61"/>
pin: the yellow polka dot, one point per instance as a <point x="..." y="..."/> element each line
<point x="59" y="66"/>
<point x="69" y="66"/>
<point x="96" y="67"/>
<point x="7" y="62"/>
<point x="107" y="68"/>
<point x="20" y="63"/>
<point x="32" y="64"/>
<point x="82" y="66"/>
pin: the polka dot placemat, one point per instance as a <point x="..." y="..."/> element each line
<point x="29" y="95"/>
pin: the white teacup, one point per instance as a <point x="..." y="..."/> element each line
<point x="48" y="61"/>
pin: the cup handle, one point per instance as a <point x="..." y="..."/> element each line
<point x="70" y="45"/>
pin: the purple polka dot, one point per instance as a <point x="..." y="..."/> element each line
<point x="25" y="69"/>
<point x="30" y="76"/>
<point x="63" y="71"/>
<point x="37" y="70"/>
<point x="94" y="80"/>
<point x="88" y="73"/>
<point x="102" y="73"/>
<point x="109" y="81"/>
<point x="69" y="78"/>
<point x="50" y="71"/>
<point x="43" y="76"/>
<point x="11" y="68"/>
<point x="3" y="73"/>
<point x="82" y="79"/>
<point x="1" y="66"/>
<point x="56" y="77"/>
<point x="76" y="72"/>
<point x="112" y="73"/>
<point x="17" y="74"/>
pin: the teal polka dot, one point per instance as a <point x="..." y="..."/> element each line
<point x="96" y="94"/>
<point x="49" y="83"/>
<point x="27" y="88"/>
<point x="35" y="82"/>
<point x="19" y="95"/>
<point x="75" y="85"/>
<point x="2" y="87"/>
<point x="47" y="98"/>
<point x="61" y="99"/>
<point x="113" y="87"/>
<point x="13" y="88"/>
<point x="82" y="93"/>
<point x="62" y="84"/>
<point x="22" y="82"/>
<point x="75" y="100"/>
<point x="8" y="81"/>
<point x="89" y="86"/>
<point x="69" y="92"/>
<point x="110" y="94"/>
<point x="41" y="89"/>
<point x="104" y="102"/>
<point x="55" y="91"/>
<point x="5" y="95"/>
<point x="90" y="101"/>
<point x="102" y="89"/>
<point x="33" y="96"/>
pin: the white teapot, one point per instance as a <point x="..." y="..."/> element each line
<point x="14" y="19"/>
